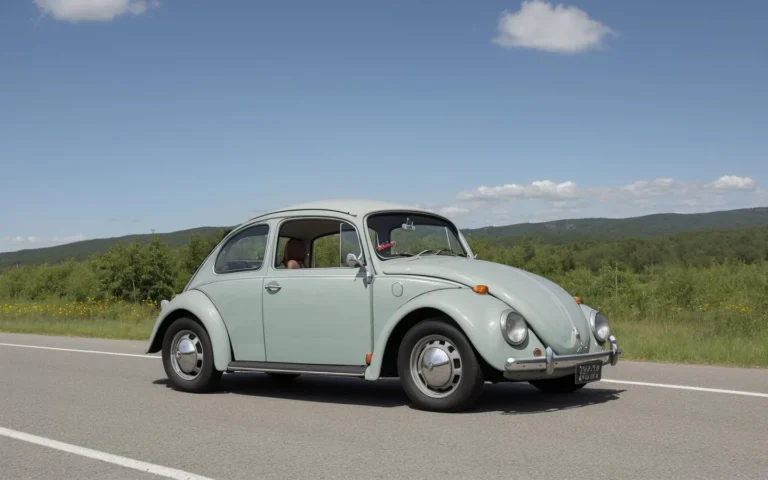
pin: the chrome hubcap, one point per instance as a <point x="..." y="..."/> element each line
<point x="187" y="355"/>
<point x="436" y="366"/>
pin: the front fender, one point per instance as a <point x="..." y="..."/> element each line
<point x="199" y="305"/>
<point x="477" y="315"/>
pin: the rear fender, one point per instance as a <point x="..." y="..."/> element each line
<point x="197" y="304"/>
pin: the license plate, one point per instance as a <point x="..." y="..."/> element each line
<point x="589" y="372"/>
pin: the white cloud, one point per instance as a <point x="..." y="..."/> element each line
<point x="69" y="239"/>
<point x="93" y="10"/>
<point x="452" y="211"/>
<point x="729" y="182"/>
<point x="541" y="26"/>
<point x="538" y="189"/>
<point x="549" y="199"/>
<point x="19" y="242"/>
<point x="660" y="186"/>
<point x="638" y="191"/>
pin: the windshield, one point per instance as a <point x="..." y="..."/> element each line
<point x="396" y="234"/>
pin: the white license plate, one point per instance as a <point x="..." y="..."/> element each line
<point x="589" y="372"/>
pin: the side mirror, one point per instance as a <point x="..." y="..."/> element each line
<point x="353" y="261"/>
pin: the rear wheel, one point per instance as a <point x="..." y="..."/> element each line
<point x="565" y="384"/>
<point x="438" y="368"/>
<point x="188" y="357"/>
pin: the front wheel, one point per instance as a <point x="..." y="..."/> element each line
<point x="438" y="368"/>
<point x="188" y="357"/>
<point x="565" y="384"/>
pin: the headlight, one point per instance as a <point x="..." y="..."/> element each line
<point x="600" y="326"/>
<point x="513" y="327"/>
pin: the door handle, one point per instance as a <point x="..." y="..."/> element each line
<point x="272" y="287"/>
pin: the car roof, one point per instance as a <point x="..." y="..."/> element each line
<point x="356" y="207"/>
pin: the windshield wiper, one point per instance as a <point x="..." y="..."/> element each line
<point x="446" y="252"/>
<point x="439" y="252"/>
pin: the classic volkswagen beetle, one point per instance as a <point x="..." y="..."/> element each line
<point x="373" y="290"/>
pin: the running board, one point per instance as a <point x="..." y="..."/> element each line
<point x="301" y="368"/>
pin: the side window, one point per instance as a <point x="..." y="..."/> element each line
<point x="317" y="243"/>
<point x="244" y="251"/>
<point x="325" y="251"/>
<point x="330" y="250"/>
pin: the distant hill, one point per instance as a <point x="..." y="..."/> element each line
<point x="609" y="229"/>
<point x="84" y="249"/>
<point x="558" y="231"/>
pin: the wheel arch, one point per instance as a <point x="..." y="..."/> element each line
<point x="445" y="306"/>
<point x="196" y="306"/>
<point x="389" y="360"/>
<point x="156" y="342"/>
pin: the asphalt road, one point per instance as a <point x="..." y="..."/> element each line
<point x="319" y="427"/>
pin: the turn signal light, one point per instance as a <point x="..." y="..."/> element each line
<point x="481" y="289"/>
<point x="578" y="300"/>
<point x="536" y="352"/>
<point x="368" y="358"/>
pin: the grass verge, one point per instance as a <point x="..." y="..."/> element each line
<point x="679" y="343"/>
<point x="723" y="337"/>
<point x="99" y="319"/>
<point x="107" y="328"/>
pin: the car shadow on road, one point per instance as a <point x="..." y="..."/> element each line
<point x="504" y="398"/>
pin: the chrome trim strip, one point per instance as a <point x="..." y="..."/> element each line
<point x="552" y="362"/>
<point x="288" y="210"/>
<point x="550" y="355"/>
<point x="226" y="241"/>
<point x="299" y="371"/>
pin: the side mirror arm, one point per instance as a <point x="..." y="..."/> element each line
<point x="355" y="261"/>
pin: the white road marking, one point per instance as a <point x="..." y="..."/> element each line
<point x="104" y="457"/>
<point x="627" y="382"/>
<point x="685" y="387"/>
<point x="81" y="351"/>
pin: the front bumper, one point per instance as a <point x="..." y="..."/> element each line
<point x="553" y="365"/>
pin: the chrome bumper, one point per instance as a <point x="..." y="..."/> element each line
<point x="552" y="362"/>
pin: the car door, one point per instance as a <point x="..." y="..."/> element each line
<point x="320" y="314"/>
<point x="236" y="290"/>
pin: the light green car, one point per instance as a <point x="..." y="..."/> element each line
<point x="373" y="290"/>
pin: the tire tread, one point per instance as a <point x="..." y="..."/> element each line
<point x="209" y="377"/>
<point x="472" y="382"/>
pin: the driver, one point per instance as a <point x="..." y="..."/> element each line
<point x="294" y="254"/>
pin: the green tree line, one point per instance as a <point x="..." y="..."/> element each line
<point x="153" y="271"/>
<point x="131" y="272"/>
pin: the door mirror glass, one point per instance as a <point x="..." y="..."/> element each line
<point x="354" y="261"/>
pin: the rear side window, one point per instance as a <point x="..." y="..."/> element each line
<point x="245" y="251"/>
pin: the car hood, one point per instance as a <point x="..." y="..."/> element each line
<point x="551" y="312"/>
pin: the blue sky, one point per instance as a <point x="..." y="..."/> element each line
<point x="124" y="116"/>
